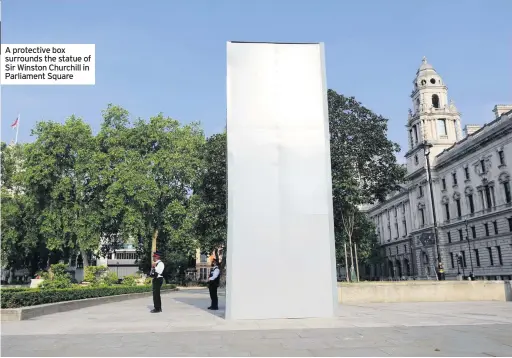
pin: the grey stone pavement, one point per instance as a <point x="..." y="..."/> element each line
<point x="186" y="328"/>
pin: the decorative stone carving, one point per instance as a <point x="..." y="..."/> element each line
<point x="445" y="200"/>
<point x="468" y="191"/>
<point x="456" y="196"/>
<point x="504" y="177"/>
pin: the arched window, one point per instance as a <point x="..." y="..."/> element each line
<point x="504" y="180"/>
<point x="435" y="101"/>
<point x="426" y="263"/>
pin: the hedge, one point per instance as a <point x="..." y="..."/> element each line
<point x="33" y="297"/>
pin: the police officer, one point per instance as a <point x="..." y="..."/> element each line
<point x="158" y="279"/>
<point x="213" y="284"/>
<point x="440" y="271"/>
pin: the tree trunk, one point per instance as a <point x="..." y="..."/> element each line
<point x="222" y="267"/>
<point x="11" y="276"/>
<point x="85" y="259"/>
<point x="153" y="245"/>
<point x="351" y="252"/>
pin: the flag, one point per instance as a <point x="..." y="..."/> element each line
<point x="15" y="124"/>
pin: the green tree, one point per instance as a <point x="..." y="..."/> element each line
<point x="58" y="176"/>
<point x="20" y="241"/>
<point x="363" y="162"/>
<point x="149" y="170"/>
<point x="211" y="191"/>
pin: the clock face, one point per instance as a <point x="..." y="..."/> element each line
<point x="423" y="82"/>
<point x="433" y="81"/>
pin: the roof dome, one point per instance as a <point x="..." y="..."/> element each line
<point x="425" y="68"/>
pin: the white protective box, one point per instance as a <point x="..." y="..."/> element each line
<point x="280" y="256"/>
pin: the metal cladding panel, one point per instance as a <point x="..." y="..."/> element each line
<point x="281" y="257"/>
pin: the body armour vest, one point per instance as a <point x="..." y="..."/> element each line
<point x="217" y="280"/>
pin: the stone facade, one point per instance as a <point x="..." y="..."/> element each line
<point x="470" y="186"/>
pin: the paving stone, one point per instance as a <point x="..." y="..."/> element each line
<point x="348" y="352"/>
<point x="187" y="329"/>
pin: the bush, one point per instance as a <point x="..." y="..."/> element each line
<point x="100" y="276"/>
<point x="33" y="297"/>
<point x="148" y="281"/>
<point x="56" y="277"/>
<point x="129" y="280"/>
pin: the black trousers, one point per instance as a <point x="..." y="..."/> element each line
<point x="157" y="300"/>
<point x="213" y="295"/>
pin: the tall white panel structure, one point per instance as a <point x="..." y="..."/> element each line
<point x="281" y="256"/>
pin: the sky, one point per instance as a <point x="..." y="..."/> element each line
<point x="169" y="56"/>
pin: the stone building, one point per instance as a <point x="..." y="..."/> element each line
<point x="471" y="192"/>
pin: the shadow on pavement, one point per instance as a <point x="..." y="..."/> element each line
<point x="201" y="299"/>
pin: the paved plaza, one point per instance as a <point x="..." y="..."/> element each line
<point x="186" y="328"/>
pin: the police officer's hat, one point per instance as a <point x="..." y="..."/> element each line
<point x="157" y="253"/>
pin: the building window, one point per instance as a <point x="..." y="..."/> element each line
<point x="506" y="188"/>
<point x="495" y="224"/>
<point x="488" y="196"/>
<point x="415" y="130"/>
<point x="454" y="178"/>
<point x="405" y="249"/>
<point x="473" y="231"/>
<point x="501" y="155"/>
<point x="416" y="161"/>
<point x="441" y="127"/>
<point x="491" y="261"/>
<point x="466" y="173"/>
<point x="451" y="260"/>
<point x="397" y="232"/>
<point x="443" y="182"/>
<point x="459" y="211"/>
<point x="397" y="250"/>
<point x="203" y="259"/>
<point x="477" y="257"/>
<point x="422" y="217"/>
<point x="486" y="227"/>
<point x="500" y="258"/>
<point x="420" y="188"/>
<point x="405" y="227"/>
<point x="464" y="263"/>
<point x="447" y="211"/>
<point x="482" y="166"/>
<point x="435" y="104"/>
<point x="460" y="235"/>
<point x="449" y="235"/>
<point x="509" y="224"/>
<point x="471" y="204"/>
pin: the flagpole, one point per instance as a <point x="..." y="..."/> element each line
<point x="17" y="129"/>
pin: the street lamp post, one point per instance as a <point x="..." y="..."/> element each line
<point x="470" y="255"/>
<point x="459" y="261"/>
<point x="436" y="238"/>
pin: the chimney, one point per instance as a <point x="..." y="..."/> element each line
<point x="499" y="109"/>
<point x="470" y="129"/>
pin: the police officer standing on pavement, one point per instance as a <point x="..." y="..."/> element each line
<point x="157" y="269"/>
<point x="213" y="284"/>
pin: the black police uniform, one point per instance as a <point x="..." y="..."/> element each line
<point x="213" y="284"/>
<point x="158" y="280"/>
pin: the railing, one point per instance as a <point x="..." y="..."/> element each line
<point x="121" y="262"/>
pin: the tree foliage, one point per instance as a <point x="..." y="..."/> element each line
<point x="157" y="179"/>
<point x="59" y="179"/>
<point x="211" y="191"/>
<point x="363" y="165"/>
<point x="129" y="183"/>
